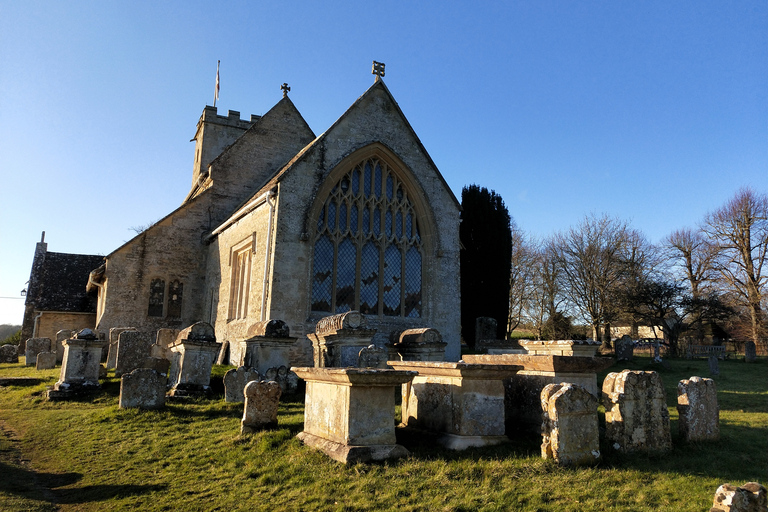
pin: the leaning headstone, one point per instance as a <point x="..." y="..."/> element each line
<point x="46" y="361"/>
<point x="223" y="357"/>
<point x="114" y="336"/>
<point x="698" y="410"/>
<point x="9" y="354"/>
<point x="61" y="336"/>
<point x="372" y="357"/>
<point x="261" y="402"/>
<point x="570" y="433"/>
<point x="750" y="497"/>
<point x="714" y="365"/>
<point x="133" y="347"/>
<point x="625" y="348"/>
<point x="636" y="415"/>
<point x="235" y="382"/>
<point x="34" y="347"/>
<point x="750" y="352"/>
<point x="143" y="388"/>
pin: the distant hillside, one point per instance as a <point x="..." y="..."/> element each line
<point x="8" y="330"/>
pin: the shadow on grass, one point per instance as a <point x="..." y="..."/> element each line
<point x="95" y="493"/>
<point x="26" y="483"/>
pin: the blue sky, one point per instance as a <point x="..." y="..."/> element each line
<point x="653" y="112"/>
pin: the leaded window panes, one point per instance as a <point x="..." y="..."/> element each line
<point x="240" y="284"/>
<point x="156" y="297"/>
<point x="367" y="250"/>
<point x="175" y="293"/>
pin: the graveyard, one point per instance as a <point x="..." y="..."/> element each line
<point x="194" y="453"/>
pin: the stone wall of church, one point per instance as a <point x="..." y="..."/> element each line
<point x="172" y="252"/>
<point x="51" y="322"/>
<point x="374" y="119"/>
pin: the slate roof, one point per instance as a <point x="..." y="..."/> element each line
<point x="61" y="283"/>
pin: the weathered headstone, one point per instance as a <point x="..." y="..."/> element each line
<point x="625" y="348"/>
<point x="159" y="364"/>
<point x="262" y="399"/>
<point x="34" y="347"/>
<point x="636" y="415"/>
<point x="372" y="357"/>
<point x="46" y="361"/>
<point x="133" y="347"/>
<point x="9" y="354"/>
<point x="750" y="497"/>
<point x="114" y="336"/>
<point x="485" y="328"/>
<point x="750" y="352"/>
<point x="235" y="382"/>
<point x="143" y="388"/>
<point x="698" y="410"/>
<point x="714" y="365"/>
<point x="570" y="433"/>
<point x="61" y="336"/>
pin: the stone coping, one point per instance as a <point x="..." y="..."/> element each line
<point x="545" y="363"/>
<point x="355" y="376"/>
<point x="87" y="343"/>
<point x="464" y="370"/>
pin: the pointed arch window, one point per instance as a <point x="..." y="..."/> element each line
<point x="368" y="250"/>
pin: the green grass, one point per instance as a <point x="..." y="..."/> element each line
<point x="89" y="455"/>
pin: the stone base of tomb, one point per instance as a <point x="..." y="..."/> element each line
<point x="189" y="391"/>
<point x="349" y="454"/>
<point x="66" y="391"/>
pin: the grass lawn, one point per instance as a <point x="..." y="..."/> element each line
<point x="90" y="455"/>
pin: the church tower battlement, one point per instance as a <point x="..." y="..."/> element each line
<point x="214" y="133"/>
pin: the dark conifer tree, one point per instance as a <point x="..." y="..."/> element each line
<point x="486" y="253"/>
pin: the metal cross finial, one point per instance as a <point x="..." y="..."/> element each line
<point x="285" y="90"/>
<point x="378" y="69"/>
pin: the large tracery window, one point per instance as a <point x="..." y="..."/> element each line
<point x="368" y="250"/>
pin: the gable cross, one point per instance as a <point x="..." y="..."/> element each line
<point x="285" y="90"/>
<point x="378" y="70"/>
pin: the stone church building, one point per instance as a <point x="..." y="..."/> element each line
<point x="281" y="223"/>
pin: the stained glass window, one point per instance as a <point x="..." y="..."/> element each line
<point x="368" y="252"/>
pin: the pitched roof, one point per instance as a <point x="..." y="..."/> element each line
<point x="62" y="282"/>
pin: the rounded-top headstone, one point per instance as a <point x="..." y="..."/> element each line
<point x="274" y="328"/>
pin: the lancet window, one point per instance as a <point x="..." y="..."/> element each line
<point x="368" y="250"/>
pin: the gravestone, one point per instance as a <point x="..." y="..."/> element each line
<point x="656" y="351"/>
<point x="9" y="354"/>
<point x="235" y="382"/>
<point x="372" y="357"/>
<point x="268" y="345"/>
<point x="133" y="347"/>
<point x="163" y="340"/>
<point x="262" y="399"/>
<point x="625" y="348"/>
<point x="485" y="328"/>
<point x="223" y="357"/>
<point x="193" y="354"/>
<point x="46" y="361"/>
<point x="714" y="366"/>
<point x="142" y="388"/>
<point x="750" y="352"/>
<point x="636" y="415"/>
<point x="159" y="364"/>
<point x="569" y="430"/>
<point x="114" y="336"/>
<point x="750" y="497"/>
<point x="62" y="335"/>
<point x="34" y="347"/>
<point x="698" y="410"/>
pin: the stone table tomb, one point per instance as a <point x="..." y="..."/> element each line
<point x="422" y="344"/>
<point x="80" y="366"/>
<point x="193" y="354"/>
<point x="337" y="339"/>
<point x="349" y="412"/>
<point x="462" y="402"/>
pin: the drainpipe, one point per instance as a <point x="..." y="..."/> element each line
<point x="270" y="201"/>
<point x="34" y="325"/>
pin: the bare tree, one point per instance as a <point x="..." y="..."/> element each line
<point x="544" y="297"/>
<point x="521" y="278"/>
<point x="739" y="232"/>
<point x="590" y="260"/>
<point x="694" y="255"/>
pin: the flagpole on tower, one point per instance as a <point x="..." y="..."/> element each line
<point x="216" y="90"/>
